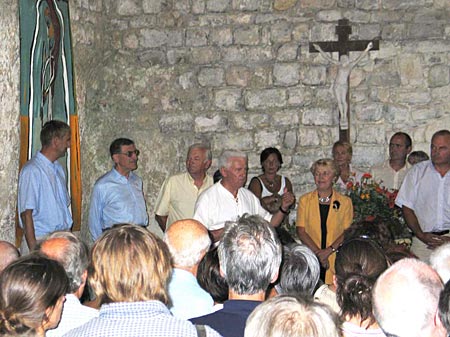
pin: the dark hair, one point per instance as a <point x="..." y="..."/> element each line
<point x="443" y="132"/>
<point x="209" y="278"/>
<point x="358" y="264"/>
<point x="408" y="140"/>
<point x="52" y="129"/>
<point x="28" y="287"/>
<point x="116" y="145"/>
<point x="376" y="230"/>
<point x="267" y="152"/>
<point x="417" y="157"/>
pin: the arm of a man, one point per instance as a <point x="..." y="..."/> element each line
<point x="429" y="239"/>
<point x="28" y="228"/>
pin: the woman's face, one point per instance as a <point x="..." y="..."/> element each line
<point x="271" y="165"/>
<point x="341" y="156"/>
<point x="323" y="178"/>
<point x="54" y="314"/>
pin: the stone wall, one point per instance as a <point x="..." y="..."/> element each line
<point x="238" y="74"/>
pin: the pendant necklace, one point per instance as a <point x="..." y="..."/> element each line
<point x="325" y="200"/>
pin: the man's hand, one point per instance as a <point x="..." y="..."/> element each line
<point x="433" y="241"/>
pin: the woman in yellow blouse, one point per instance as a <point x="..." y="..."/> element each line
<point x="323" y="215"/>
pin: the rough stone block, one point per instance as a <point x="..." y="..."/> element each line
<point x="299" y="96"/>
<point x="247" y="36"/>
<point x="425" y="31"/>
<point x="238" y="75"/>
<point x="128" y="7"/>
<point x="196" y="37"/>
<point x="281" y="32"/>
<point x="369" y="32"/>
<point x="300" y="32"/>
<point x="131" y="41"/>
<point x="198" y="6"/>
<point x="319" y="116"/>
<point x="393" y="31"/>
<point x="357" y="16"/>
<point x="404" y="4"/>
<point x="282" y="5"/>
<point x="221" y="36"/>
<point x="251" y="5"/>
<point x="214" y="124"/>
<point x="211" y="77"/>
<point x="331" y="15"/>
<point x="316" y="4"/>
<point x="424" y="114"/>
<point x="228" y="99"/>
<point x="313" y="75"/>
<point x="369" y="112"/>
<point x="309" y="137"/>
<point x="234" y="141"/>
<point x="176" y="123"/>
<point x="265" y="138"/>
<point x="152" y="57"/>
<point x="285" y="118"/>
<point x="412" y="97"/>
<point x="290" y="139"/>
<point x="371" y="134"/>
<point x="153" y="38"/>
<point x="367" y="155"/>
<point x="204" y="55"/>
<point x="152" y="6"/>
<point x="323" y="32"/>
<point x="177" y="56"/>
<point x="267" y="98"/>
<point x="439" y="76"/>
<point x="247" y="54"/>
<point x="286" y="74"/>
<point x="288" y="52"/>
<point x="367" y="5"/>
<point x="251" y="121"/>
<point x="397" y="114"/>
<point x="262" y="77"/>
<point x="186" y="80"/>
<point x="217" y="5"/>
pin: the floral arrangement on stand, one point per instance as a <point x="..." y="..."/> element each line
<point x="371" y="200"/>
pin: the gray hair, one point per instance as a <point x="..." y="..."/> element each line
<point x="440" y="261"/>
<point x="405" y="298"/>
<point x="73" y="257"/>
<point x="249" y="254"/>
<point x="188" y="255"/>
<point x="226" y="155"/>
<point x="325" y="162"/>
<point x="289" y="316"/>
<point x="300" y="271"/>
<point x="202" y="146"/>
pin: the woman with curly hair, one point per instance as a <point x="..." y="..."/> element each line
<point x="358" y="264"/>
<point x="32" y="294"/>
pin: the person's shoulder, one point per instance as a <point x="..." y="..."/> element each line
<point x="308" y="195"/>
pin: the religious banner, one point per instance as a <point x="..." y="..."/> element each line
<point x="47" y="86"/>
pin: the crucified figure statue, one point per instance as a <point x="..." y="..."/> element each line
<point x="340" y="84"/>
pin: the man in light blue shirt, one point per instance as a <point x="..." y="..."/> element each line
<point x="43" y="199"/>
<point x="117" y="196"/>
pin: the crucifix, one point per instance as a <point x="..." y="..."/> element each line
<point x="341" y="84"/>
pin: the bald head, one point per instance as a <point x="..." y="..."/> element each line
<point x="405" y="300"/>
<point x="8" y="254"/>
<point x="188" y="241"/>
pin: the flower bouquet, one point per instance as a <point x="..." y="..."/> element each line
<point x="371" y="200"/>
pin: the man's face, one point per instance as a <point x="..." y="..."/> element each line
<point x="398" y="149"/>
<point x="126" y="160"/>
<point x="235" y="174"/>
<point x="440" y="150"/>
<point x="196" y="162"/>
<point x="62" y="144"/>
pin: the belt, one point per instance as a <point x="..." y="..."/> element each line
<point x="440" y="233"/>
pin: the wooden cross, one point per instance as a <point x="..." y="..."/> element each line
<point x="343" y="45"/>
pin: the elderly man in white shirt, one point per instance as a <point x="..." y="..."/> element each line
<point x="425" y="198"/>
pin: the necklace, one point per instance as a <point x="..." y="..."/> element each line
<point x="271" y="184"/>
<point x="325" y="200"/>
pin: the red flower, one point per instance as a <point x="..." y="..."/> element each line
<point x="367" y="175"/>
<point x="349" y="185"/>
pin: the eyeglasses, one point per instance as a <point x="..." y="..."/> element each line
<point x="130" y="153"/>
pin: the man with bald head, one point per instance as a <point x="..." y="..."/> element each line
<point x="72" y="254"/>
<point x="188" y="242"/>
<point x="8" y="253"/>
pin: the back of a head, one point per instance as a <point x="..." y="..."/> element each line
<point x="209" y="278"/>
<point x="289" y="316"/>
<point x="8" y="254"/>
<point x="405" y="299"/>
<point x="299" y="272"/>
<point x="130" y="264"/>
<point x="440" y="261"/>
<point x="188" y="241"/>
<point x="66" y="248"/>
<point x="359" y="262"/>
<point x="249" y="254"/>
<point x="376" y="230"/>
<point x="28" y="287"/>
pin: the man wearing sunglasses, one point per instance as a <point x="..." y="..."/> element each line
<point x="117" y="196"/>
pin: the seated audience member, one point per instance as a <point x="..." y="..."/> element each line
<point x="299" y="272"/>
<point x="326" y="294"/>
<point x="209" y="278"/>
<point x="405" y="300"/>
<point x="440" y="261"/>
<point x="32" y="293"/>
<point x="227" y="200"/>
<point x="444" y="307"/>
<point x="188" y="242"/>
<point x="289" y="316"/>
<point x="250" y="257"/>
<point x="391" y="173"/>
<point x="358" y="264"/>
<point x="8" y="254"/>
<point x="417" y="156"/>
<point x="72" y="254"/>
<point x="130" y="272"/>
<point x="342" y="155"/>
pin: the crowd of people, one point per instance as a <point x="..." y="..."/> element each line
<point x="225" y="267"/>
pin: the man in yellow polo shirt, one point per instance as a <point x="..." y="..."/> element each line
<point x="178" y="194"/>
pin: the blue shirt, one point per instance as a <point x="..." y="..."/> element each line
<point x="116" y="200"/>
<point x="137" y="319"/>
<point x="188" y="298"/>
<point x="42" y="189"/>
<point x="230" y="321"/>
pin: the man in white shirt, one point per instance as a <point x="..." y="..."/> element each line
<point x="392" y="172"/>
<point x="227" y="200"/>
<point x="72" y="253"/>
<point x="425" y="198"/>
